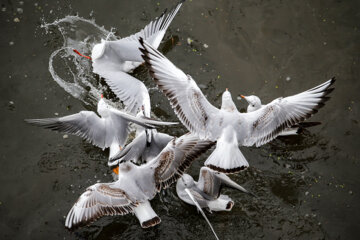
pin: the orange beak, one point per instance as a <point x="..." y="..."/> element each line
<point x="116" y="170"/>
<point x="102" y="95"/>
<point x="242" y="96"/>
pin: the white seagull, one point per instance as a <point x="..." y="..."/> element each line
<point x="137" y="185"/>
<point x="227" y="125"/>
<point x="110" y="130"/>
<point x="113" y="59"/>
<point x="205" y="193"/>
<point x="207" y="190"/>
<point x="255" y="104"/>
<point x="140" y="151"/>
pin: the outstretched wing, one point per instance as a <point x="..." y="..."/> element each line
<point x="265" y="124"/>
<point x="186" y="98"/>
<point x="132" y="152"/>
<point x="127" y="49"/>
<point x="84" y="124"/>
<point x="99" y="200"/>
<point x="154" y="32"/>
<point x="132" y="92"/>
<point x="175" y="158"/>
<point x="211" y="182"/>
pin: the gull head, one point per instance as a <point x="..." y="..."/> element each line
<point x="103" y="108"/>
<point x="186" y="181"/>
<point x="98" y="50"/>
<point x="227" y="102"/>
<point x="254" y="102"/>
<point x="125" y="167"/>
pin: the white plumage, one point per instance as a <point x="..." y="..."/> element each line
<point x="208" y="122"/>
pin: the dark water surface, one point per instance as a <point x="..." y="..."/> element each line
<point x="308" y="185"/>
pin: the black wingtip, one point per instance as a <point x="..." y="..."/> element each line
<point x="141" y="40"/>
<point x="333" y="79"/>
<point x="226" y="171"/>
<point x="150" y="223"/>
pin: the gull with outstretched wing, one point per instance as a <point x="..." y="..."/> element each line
<point x="140" y="151"/>
<point x="227" y="125"/>
<point x="207" y="190"/>
<point x="112" y="60"/>
<point x="137" y="185"/>
<point x="255" y="104"/>
<point x="110" y="130"/>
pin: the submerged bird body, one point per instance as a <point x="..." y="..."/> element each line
<point x="227" y="126"/>
<point x="207" y="190"/>
<point x="137" y="185"/>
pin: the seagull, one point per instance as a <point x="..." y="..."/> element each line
<point x="140" y="151"/>
<point x="255" y="104"/>
<point x="110" y="130"/>
<point x="112" y="60"/>
<point x="137" y="185"/>
<point x="207" y="190"/>
<point x="227" y="125"/>
<point x="205" y="193"/>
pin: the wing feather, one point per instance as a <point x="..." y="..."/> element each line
<point x="155" y="30"/>
<point x="99" y="200"/>
<point x="176" y="157"/>
<point x="265" y="124"/>
<point x="186" y="98"/>
<point x="85" y="124"/>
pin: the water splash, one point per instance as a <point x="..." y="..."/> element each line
<point x="70" y="71"/>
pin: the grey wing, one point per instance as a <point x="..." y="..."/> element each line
<point x="208" y="182"/>
<point x="133" y="151"/>
<point x="186" y="98"/>
<point x="84" y="124"/>
<point x="127" y="49"/>
<point x="211" y="182"/>
<point x="100" y="200"/>
<point x="141" y="121"/>
<point x="159" y="142"/>
<point x="138" y="151"/>
<point x="201" y="197"/>
<point x="155" y="30"/>
<point x="175" y="158"/>
<point x="132" y="92"/>
<point x="265" y="124"/>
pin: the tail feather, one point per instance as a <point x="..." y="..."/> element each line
<point x="227" y="157"/>
<point x="222" y="203"/>
<point x="146" y="215"/>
